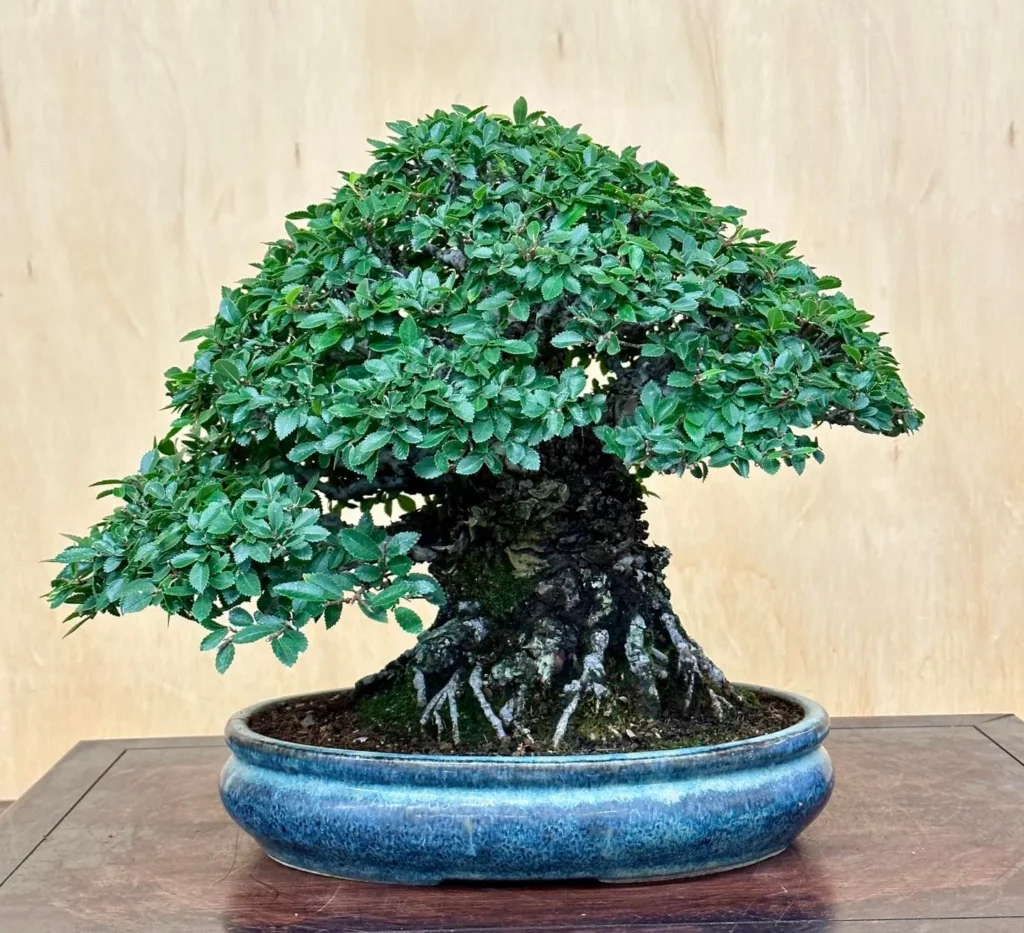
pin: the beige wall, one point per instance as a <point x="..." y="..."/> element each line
<point x="146" y="148"/>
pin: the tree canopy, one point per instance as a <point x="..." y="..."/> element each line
<point x="488" y="284"/>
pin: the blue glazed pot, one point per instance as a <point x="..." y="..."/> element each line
<point x="423" y="819"/>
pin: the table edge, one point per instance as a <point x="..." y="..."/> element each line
<point x="39" y="811"/>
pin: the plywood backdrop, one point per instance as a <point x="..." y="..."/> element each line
<point x="147" y="148"/>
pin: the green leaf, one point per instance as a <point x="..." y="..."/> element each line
<point x="199" y="577"/>
<point x="333" y="441"/>
<point x="403" y="542"/>
<point x="300" y="589"/>
<point x="213" y="639"/>
<point x="567" y="338"/>
<point x="464" y="409"/>
<point x="732" y="413"/>
<point x="317" y="319"/>
<point x="411" y="434"/>
<point x="136" y="596"/>
<point x="239" y="617"/>
<point x="71" y="554"/>
<point x="649" y="398"/>
<point x="530" y="460"/>
<point x="295" y="271"/>
<point x="209" y="514"/>
<point x="333" y="585"/>
<point x="203" y="607"/>
<point x="259" y="551"/>
<point x="466" y="324"/>
<point x="301" y="452"/>
<point x="146" y="553"/>
<point x="221" y="523"/>
<point x="408" y="620"/>
<point x="370" y="444"/>
<point x="400" y="565"/>
<point x="408" y="332"/>
<point x="427" y="468"/>
<point x="552" y="287"/>
<point x="482" y="430"/>
<point x="327" y="339"/>
<point x="224" y="657"/>
<point x="225" y="580"/>
<point x="776" y="318"/>
<point x="694" y="430"/>
<point x="522" y="155"/>
<point x="734" y="435"/>
<point x="494" y="302"/>
<point x="390" y="595"/>
<point x="490" y="133"/>
<point x="227" y="371"/>
<point x="470" y="464"/>
<point x="286" y="423"/>
<point x="184" y="559"/>
<point x="248" y="584"/>
<point x="519" y="110"/>
<point x="228" y="311"/>
<point x="359" y="545"/>
<point x="257" y="632"/>
<point x="289" y="645"/>
<point x="196" y="334"/>
<point x="785" y="361"/>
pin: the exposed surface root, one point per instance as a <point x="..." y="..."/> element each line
<point x="606" y="647"/>
<point x="640" y="662"/>
<point x="476" y="682"/>
<point x="591" y="680"/>
<point x="560" y="626"/>
<point x="432" y="711"/>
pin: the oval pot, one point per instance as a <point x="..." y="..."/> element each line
<point x="423" y="819"/>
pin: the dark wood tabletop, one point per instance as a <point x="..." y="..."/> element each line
<point x="925" y="834"/>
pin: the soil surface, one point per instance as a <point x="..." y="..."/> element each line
<point x="334" y="721"/>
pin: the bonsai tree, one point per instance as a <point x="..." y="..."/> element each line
<point x="471" y="357"/>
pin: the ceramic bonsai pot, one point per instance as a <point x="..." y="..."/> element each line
<point x="423" y="819"/>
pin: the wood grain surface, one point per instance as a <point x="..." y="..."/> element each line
<point x="925" y="834"/>
<point x="146" y="150"/>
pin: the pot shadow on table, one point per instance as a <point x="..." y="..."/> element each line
<point x="265" y="896"/>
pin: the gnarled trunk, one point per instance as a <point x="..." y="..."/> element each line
<point x="559" y="626"/>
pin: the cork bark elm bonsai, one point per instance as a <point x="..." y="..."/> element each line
<point x="449" y="382"/>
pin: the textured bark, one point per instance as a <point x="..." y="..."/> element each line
<point x="560" y="624"/>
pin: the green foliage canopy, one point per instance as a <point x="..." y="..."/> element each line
<point x="486" y="285"/>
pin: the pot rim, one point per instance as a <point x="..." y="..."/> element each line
<point x="807" y="733"/>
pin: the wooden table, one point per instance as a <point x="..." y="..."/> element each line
<point x="925" y="834"/>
